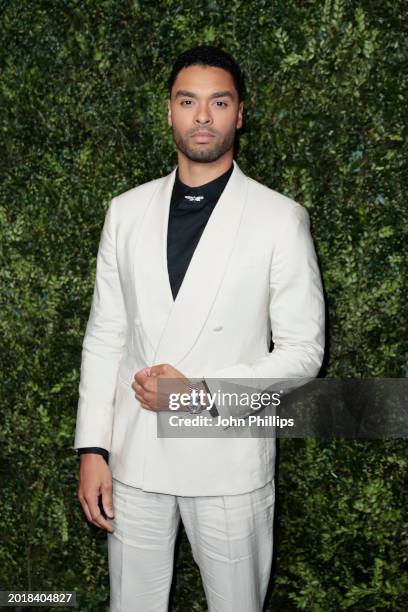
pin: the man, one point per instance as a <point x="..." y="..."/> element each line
<point x="194" y="272"/>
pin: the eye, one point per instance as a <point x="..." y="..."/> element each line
<point x="222" y="104"/>
<point x="186" y="102"/>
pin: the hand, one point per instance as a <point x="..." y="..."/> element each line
<point x="145" y="386"/>
<point x="95" y="479"/>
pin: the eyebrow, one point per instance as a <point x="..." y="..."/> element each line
<point x="217" y="94"/>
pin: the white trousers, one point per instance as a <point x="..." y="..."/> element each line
<point x="231" y="537"/>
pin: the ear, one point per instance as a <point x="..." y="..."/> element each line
<point x="240" y="115"/>
<point x="169" y="121"/>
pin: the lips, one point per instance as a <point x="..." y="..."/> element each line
<point x="203" y="136"/>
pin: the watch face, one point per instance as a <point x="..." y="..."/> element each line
<point x="195" y="409"/>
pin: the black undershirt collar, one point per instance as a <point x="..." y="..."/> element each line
<point x="191" y="199"/>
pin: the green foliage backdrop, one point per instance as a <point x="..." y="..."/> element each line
<point x="83" y="119"/>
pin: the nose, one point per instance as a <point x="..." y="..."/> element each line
<point x="203" y="116"/>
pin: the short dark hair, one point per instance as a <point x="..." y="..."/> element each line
<point x="208" y="55"/>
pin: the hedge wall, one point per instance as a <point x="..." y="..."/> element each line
<point x="83" y="119"/>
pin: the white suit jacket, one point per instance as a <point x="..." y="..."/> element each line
<point x="254" y="270"/>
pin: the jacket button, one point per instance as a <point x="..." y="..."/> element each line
<point x="217" y="328"/>
<point x="137" y="321"/>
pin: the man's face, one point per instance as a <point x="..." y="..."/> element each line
<point x="204" y="112"/>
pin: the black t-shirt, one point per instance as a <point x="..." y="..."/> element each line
<point x="190" y="209"/>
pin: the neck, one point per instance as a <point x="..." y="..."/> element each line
<point x="194" y="174"/>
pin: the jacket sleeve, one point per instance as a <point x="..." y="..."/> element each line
<point x="297" y="318"/>
<point x="102" y="347"/>
<point x="95" y="450"/>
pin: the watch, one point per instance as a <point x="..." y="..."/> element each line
<point x="198" y="407"/>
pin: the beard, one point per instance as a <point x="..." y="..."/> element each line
<point x="208" y="152"/>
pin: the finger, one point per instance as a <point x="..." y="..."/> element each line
<point x="140" y="392"/>
<point x="136" y="387"/>
<point x="141" y="400"/>
<point x="140" y="377"/>
<point x="107" y="501"/>
<point x="150" y="385"/>
<point x="150" y="398"/>
<point x="100" y="521"/>
<point x="144" y="405"/>
<point x="85" y="508"/>
<point x="144" y="392"/>
<point x="157" y="369"/>
<point x="88" y="515"/>
<point x="96" y="514"/>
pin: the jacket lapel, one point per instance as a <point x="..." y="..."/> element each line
<point x="173" y="327"/>
<point x="152" y="286"/>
